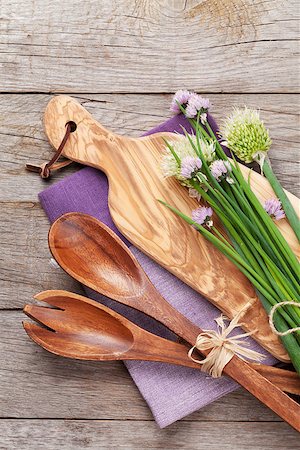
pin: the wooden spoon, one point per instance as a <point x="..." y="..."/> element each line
<point x="92" y="254"/>
<point x="84" y="329"/>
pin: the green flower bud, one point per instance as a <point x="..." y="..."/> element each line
<point x="245" y="134"/>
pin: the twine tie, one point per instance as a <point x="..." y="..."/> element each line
<point x="271" y="318"/>
<point x="223" y="348"/>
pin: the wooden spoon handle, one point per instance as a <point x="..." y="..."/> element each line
<point x="175" y="353"/>
<point x="286" y="380"/>
<point x="265" y="391"/>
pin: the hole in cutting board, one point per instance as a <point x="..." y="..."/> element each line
<point x="73" y="125"/>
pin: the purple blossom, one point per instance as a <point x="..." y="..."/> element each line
<point x="220" y="169"/>
<point x="202" y="216"/>
<point x="205" y="103"/>
<point x="190" y="165"/>
<point x="274" y="209"/>
<point x="196" y="103"/>
<point x="193" y="193"/>
<point x="181" y="97"/>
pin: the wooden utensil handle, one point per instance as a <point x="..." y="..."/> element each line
<point x="238" y="370"/>
<point x="175" y="353"/>
<point x="286" y="380"/>
<point x="265" y="391"/>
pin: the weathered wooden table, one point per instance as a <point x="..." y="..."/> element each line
<point x="122" y="60"/>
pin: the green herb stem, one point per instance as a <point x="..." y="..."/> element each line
<point x="290" y="212"/>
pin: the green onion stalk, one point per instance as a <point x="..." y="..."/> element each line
<point x="251" y="239"/>
<point x="281" y="194"/>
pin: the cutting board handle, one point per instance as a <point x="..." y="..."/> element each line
<point x="90" y="143"/>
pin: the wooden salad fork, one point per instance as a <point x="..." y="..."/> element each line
<point x="81" y="328"/>
<point x="92" y="254"/>
<point x="84" y="317"/>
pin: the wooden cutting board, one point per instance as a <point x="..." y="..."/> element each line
<point x="132" y="166"/>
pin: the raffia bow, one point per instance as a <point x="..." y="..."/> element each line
<point x="223" y="348"/>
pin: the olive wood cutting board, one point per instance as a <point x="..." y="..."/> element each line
<point x="132" y="166"/>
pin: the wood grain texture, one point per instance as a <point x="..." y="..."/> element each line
<point x="147" y="46"/>
<point x="25" y="260"/>
<point x="286" y="380"/>
<point x="132" y="166"/>
<point x="104" y="434"/>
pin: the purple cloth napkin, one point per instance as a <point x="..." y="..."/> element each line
<point x="171" y="392"/>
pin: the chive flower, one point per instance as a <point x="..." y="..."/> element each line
<point x="255" y="245"/>
<point x="245" y="135"/>
<point x="273" y="207"/>
<point x="220" y="170"/>
<point x="196" y="104"/>
<point x="183" y="148"/>
<point x="169" y="165"/>
<point x="190" y="166"/>
<point x="191" y="103"/>
<point x="193" y="193"/>
<point x="202" y="216"/>
<point x="181" y="98"/>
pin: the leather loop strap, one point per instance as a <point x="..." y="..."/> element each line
<point x="45" y="169"/>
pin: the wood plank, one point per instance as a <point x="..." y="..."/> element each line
<point x="149" y="46"/>
<point x="23" y="139"/>
<point x="106" y="434"/>
<point x="25" y="261"/>
<point x="37" y="384"/>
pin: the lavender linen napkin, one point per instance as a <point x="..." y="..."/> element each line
<point x="172" y="392"/>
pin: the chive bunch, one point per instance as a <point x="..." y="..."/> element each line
<point x="253" y="243"/>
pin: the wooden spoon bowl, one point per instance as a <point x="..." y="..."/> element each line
<point x="92" y="254"/>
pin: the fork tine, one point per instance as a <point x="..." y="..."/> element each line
<point x="52" y="318"/>
<point x="41" y="336"/>
<point x="49" y="340"/>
